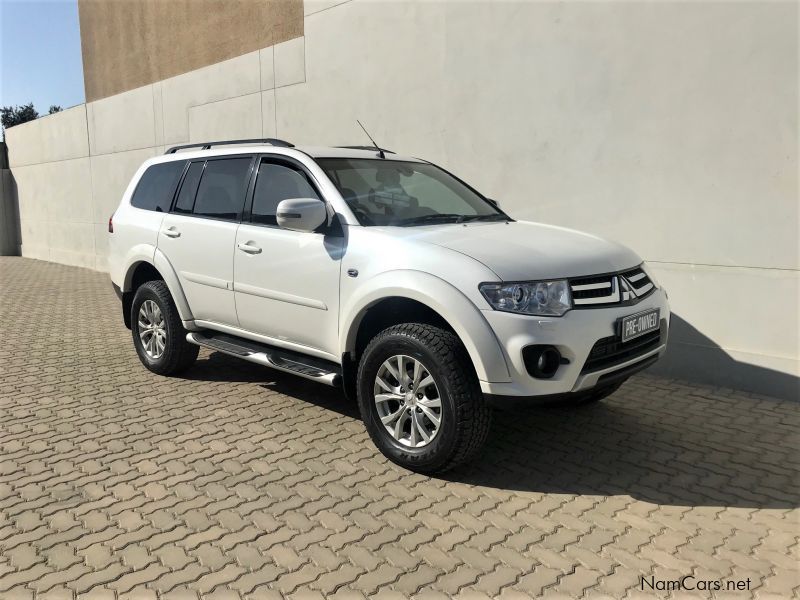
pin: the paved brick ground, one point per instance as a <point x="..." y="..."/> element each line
<point x="236" y="481"/>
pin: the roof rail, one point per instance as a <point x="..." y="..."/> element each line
<point x="366" y="148"/>
<point x="207" y="145"/>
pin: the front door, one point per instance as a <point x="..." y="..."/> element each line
<point x="199" y="235"/>
<point x="286" y="282"/>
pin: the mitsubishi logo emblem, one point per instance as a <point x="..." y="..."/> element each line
<point x="627" y="290"/>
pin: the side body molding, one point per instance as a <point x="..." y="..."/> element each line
<point x="462" y="315"/>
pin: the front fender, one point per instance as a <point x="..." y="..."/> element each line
<point x="453" y="306"/>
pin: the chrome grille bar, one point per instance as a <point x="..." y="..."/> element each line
<point x="614" y="288"/>
<point x="591" y="286"/>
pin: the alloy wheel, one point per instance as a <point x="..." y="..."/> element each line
<point x="408" y="401"/>
<point x="152" y="330"/>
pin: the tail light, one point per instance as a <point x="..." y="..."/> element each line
<point x="111" y="224"/>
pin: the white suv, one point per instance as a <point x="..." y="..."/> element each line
<point x="382" y="274"/>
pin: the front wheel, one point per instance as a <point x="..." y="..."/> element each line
<point x="420" y="399"/>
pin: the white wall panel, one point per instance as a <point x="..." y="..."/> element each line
<point x="267" y="64"/>
<point x="228" y="79"/>
<point x="35" y="243"/>
<point x="60" y="136"/>
<point x="236" y="118"/>
<point x="122" y="122"/>
<point x="268" y="127"/>
<point x="290" y="62"/>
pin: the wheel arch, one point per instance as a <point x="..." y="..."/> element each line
<point x="139" y="272"/>
<point x="143" y="269"/>
<point x="394" y="297"/>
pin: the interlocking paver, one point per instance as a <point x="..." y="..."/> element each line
<point x="234" y="481"/>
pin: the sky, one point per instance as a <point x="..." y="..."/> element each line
<point x="40" y="53"/>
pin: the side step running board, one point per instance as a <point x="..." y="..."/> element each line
<point x="309" y="367"/>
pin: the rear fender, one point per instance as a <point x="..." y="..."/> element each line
<point x="161" y="262"/>
<point x="149" y="254"/>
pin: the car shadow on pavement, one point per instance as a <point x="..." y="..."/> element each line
<point x="221" y="367"/>
<point x="675" y="449"/>
<point x="654" y="440"/>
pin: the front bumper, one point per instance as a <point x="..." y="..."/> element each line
<point x="574" y="335"/>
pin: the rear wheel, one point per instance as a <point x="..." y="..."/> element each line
<point x="420" y="399"/>
<point x="158" y="334"/>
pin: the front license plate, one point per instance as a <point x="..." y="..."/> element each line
<point x="636" y="325"/>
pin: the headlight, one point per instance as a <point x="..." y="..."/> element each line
<point x="544" y="298"/>
<point x="648" y="270"/>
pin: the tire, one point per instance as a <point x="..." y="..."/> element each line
<point x="596" y="395"/>
<point x="464" y="417"/>
<point x="177" y="354"/>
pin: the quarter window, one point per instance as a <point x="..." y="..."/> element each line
<point x="222" y="188"/>
<point x="276" y="182"/>
<point x="157" y="186"/>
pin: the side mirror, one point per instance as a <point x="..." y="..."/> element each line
<point x="301" y="214"/>
<point x="493" y="202"/>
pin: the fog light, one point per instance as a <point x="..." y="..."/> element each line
<point x="541" y="361"/>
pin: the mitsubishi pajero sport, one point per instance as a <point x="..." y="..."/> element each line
<point x="383" y="274"/>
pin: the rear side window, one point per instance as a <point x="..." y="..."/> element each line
<point x="157" y="186"/>
<point x="276" y="182"/>
<point x="185" y="201"/>
<point x="222" y="188"/>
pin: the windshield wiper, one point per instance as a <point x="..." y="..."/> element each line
<point x="438" y="217"/>
<point x="450" y="218"/>
<point x="492" y="217"/>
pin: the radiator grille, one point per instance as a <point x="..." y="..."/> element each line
<point x="627" y="287"/>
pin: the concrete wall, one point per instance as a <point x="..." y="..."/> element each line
<point x="9" y="220"/>
<point x="130" y="43"/>
<point x="671" y="127"/>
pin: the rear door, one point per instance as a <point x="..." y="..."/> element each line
<point x="199" y="235"/>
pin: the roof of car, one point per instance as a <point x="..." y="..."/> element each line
<point x="259" y="148"/>
<point x="342" y="152"/>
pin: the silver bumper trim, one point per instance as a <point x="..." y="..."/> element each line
<point x="590" y="380"/>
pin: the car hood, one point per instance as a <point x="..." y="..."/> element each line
<point x="521" y="250"/>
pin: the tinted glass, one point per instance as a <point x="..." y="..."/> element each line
<point x="157" y="186"/>
<point x="404" y="193"/>
<point x="222" y="188"/>
<point x="185" y="201"/>
<point x="276" y="182"/>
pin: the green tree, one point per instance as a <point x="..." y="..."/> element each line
<point x="54" y="108"/>
<point x="14" y="115"/>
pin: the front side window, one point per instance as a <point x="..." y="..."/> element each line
<point x="157" y="186"/>
<point x="276" y="182"/>
<point x="402" y="193"/>
<point x="222" y="189"/>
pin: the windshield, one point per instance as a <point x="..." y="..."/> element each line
<point x="401" y="193"/>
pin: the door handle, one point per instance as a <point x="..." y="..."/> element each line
<point x="248" y="248"/>
<point x="171" y="232"/>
